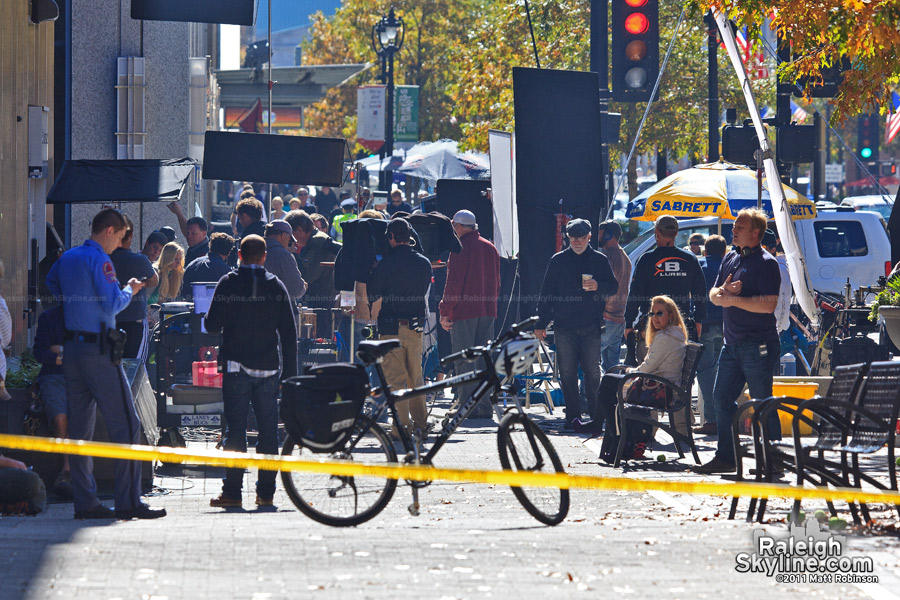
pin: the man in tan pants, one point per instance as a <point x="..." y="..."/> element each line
<point x="401" y="280"/>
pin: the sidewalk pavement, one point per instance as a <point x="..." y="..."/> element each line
<point x="471" y="541"/>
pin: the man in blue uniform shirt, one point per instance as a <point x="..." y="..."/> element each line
<point x="85" y="280"/>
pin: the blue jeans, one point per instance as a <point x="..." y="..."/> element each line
<point x="238" y="391"/>
<point x="743" y="363"/>
<point x="573" y="348"/>
<point x="346" y="354"/>
<point x="611" y="344"/>
<point x="712" y="341"/>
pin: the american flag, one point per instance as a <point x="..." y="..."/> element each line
<point x="893" y="119"/>
<point x="798" y="114"/>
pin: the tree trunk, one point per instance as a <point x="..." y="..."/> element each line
<point x="632" y="178"/>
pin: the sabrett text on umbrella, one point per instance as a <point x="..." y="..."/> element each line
<point x="692" y="207"/>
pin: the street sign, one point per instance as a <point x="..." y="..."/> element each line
<point x="406" y="113"/>
<point x="370" y="111"/>
<point x="834" y="173"/>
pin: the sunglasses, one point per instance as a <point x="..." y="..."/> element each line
<point x="695" y="243"/>
<point x="659" y="313"/>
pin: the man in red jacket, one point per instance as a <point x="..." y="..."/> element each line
<point x="469" y="305"/>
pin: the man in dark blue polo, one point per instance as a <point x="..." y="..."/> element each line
<point x="85" y="280"/>
<point x="747" y="290"/>
<point x="209" y="268"/>
<point x="133" y="318"/>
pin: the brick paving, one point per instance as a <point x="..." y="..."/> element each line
<point x="471" y="541"/>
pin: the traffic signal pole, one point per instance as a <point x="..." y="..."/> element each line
<point x="599" y="53"/>
<point x="712" y="46"/>
<point x="783" y="104"/>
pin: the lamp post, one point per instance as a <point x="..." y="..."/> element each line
<point x="387" y="39"/>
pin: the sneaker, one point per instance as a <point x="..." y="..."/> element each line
<point x="707" y="429"/>
<point x="141" y="511"/>
<point x="716" y="465"/>
<point x="568" y="426"/>
<point x="98" y="512"/>
<point x="62" y="486"/>
<point x="223" y="501"/>
<point x="260" y="501"/>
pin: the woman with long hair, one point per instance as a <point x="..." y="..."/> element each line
<point x="170" y="267"/>
<point x="666" y="338"/>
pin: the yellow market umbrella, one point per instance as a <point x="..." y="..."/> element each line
<point x="718" y="189"/>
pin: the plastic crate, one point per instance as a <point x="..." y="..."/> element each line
<point x="193" y="394"/>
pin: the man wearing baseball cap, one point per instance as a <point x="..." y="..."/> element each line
<point x="469" y="306"/>
<point x="280" y="261"/>
<point x="348" y="208"/>
<point x="401" y="280"/>
<point x="573" y="296"/>
<point x="667" y="270"/>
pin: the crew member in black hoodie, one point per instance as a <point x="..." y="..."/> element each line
<point x="577" y="283"/>
<point x="252" y="309"/>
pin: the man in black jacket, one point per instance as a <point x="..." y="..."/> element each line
<point x="252" y="309"/>
<point x="576" y="285"/>
<point x="401" y="280"/>
<point x="667" y="270"/>
<point x="311" y="250"/>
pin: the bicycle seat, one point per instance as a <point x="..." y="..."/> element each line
<point x="371" y="350"/>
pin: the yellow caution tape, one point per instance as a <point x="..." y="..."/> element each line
<point x="427" y="473"/>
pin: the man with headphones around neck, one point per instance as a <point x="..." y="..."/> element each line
<point x="401" y="280"/>
<point x="747" y="290"/>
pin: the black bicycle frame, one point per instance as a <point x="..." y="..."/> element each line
<point x="488" y="382"/>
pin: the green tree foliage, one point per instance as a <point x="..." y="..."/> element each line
<point x="678" y="120"/>
<point x="434" y="30"/>
<point x="462" y="53"/>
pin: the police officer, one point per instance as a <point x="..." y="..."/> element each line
<point x="85" y="280"/>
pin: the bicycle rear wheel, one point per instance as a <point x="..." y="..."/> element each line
<point x="339" y="500"/>
<point x="524" y="447"/>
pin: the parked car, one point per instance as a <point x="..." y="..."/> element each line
<point x="874" y="203"/>
<point x="837" y="244"/>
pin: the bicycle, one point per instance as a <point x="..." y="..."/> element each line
<point x="339" y="500"/>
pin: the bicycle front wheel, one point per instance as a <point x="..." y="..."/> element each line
<point x="342" y="500"/>
<point x="524" y="447"/>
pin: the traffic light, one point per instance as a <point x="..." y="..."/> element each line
<point x="739" y="143"/>
<point x="635" y="49"/>
<point x="867" y="132"/>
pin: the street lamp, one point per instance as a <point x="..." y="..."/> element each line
<point x="387" y="39"/>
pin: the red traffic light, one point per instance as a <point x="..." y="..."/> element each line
<point x="635" y="3"/>
<point x="637" y="23"/>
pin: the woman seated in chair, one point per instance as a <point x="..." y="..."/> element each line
<point x="666" y="338"/>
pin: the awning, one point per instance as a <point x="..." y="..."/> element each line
<point x="106" y="181"/>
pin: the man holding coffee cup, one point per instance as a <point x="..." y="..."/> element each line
<point x="576" y="286"/>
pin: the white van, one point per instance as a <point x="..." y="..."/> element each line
<point x="838" y="244"/>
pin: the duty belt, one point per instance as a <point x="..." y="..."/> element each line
<point x="82" y="336"/>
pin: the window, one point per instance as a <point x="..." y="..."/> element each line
<point x="840" y="239"/>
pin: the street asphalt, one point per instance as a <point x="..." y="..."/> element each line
<point x="470" y="541"/>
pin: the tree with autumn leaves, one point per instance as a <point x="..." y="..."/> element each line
<point x="461" y="53"/>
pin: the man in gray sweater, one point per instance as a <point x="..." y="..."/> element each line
<point x="279" y="260"/>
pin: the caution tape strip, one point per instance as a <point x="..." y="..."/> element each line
<point x="427" y="473"/>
